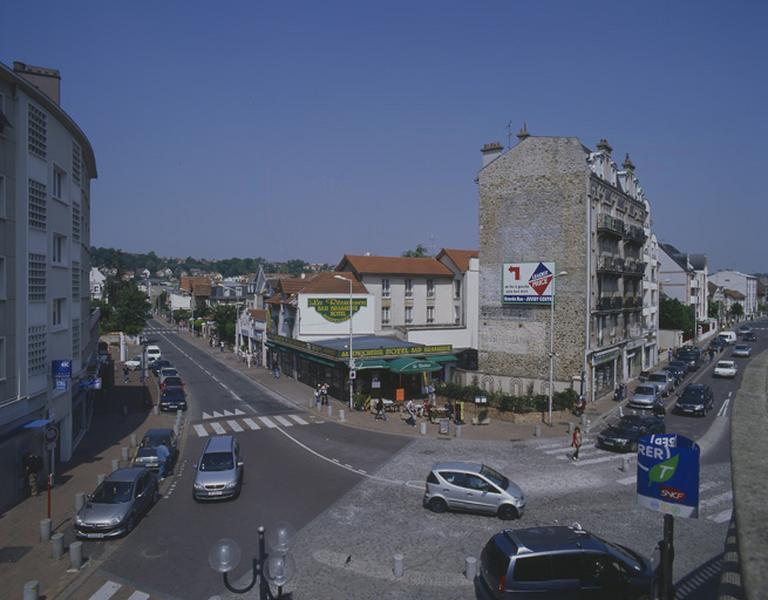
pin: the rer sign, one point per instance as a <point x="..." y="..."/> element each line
<point x="668" y="474"/>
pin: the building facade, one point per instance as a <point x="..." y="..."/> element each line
<point x="651" y="300"/>
<point x="684" y="277"/>
<point x="46" y="166"/>
<point x="742" y="283"/>
<point x="552" y="202"/>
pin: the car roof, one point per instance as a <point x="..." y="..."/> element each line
<point x="158" y="432"/>
<point x="173" y="388"/>
<point x="696" y="387"/>
<point x="557" y="537"/>
<point x="457" y="466"/>
<point x="637" y="419"/>
<point x="129" y="474"/>
<point x="659" y="373"/>
<point x="220" y="443"/>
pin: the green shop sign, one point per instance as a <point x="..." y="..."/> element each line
<point x="336" y="310"/>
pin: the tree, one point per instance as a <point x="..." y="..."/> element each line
<point x="737" y="310"/>
<point x="714" y="310"/>
<point x="675" y="315"/>
<point x="128" y="308"/>
<point x="225" y="317"/>
<point x="180" y="314"/>
<point x="419" y="252"/>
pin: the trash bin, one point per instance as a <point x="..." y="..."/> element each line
<point x="445" y="426"/>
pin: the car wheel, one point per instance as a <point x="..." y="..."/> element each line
<point x="508" y="512"/>
<point x="437" y="505"/>
<point x="156" y="496"/>
<point x="130" y="524"/>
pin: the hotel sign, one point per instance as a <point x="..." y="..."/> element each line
<point x="336" y="310"/>
<point x="372" y="352"/>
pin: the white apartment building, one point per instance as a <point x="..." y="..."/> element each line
<point x="651" y="300"/>
<point x="46" y="166"/>
<point x="685" y="277"/>
<point x="97" y="282"/>
<point x="739" y="282"/>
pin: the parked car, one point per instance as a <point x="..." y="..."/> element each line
<point x="725" y="368"/>
<point x="742" y="351"/>
<point x="691" y="358"/>
<point x="624" y="434"/>
<point x="717" y="344"/>
<point x="158" y="364"/>
<point x="146" y="453"/>
<point x="749" y="337"/>
<point x="729" y="337"/>
<point x="133" y="363"/>
<point x="117" y="504"/>
<point x="663" y="380"/>
<point x="696" y="399"/>
<point x="678" y="373"/>
<point x="153" y="352"/>
<point x="173" y="398"/>
<point x="171" y="381"/>
<point x="645" y="395"/>
<point x="472" y="487"/>
<point x="554" y="562"/>
<point x="166" y="372"/>
<point x="219" y="471"/>
<point x="682" y="364"/>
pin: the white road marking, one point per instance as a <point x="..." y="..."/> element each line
<point x="594" y="461"/>
<point x="298" y="419"/>
<point x="200" y="431"/>
<point x="207" y="416"/>
<point x="283" y="421"/>
<point x="548" y="446"/>
<point x="238" y="412"/>
<point x="218" y="428"/>
<point x="106" y="591"/>
<point x="724" y="408"/>
<point x="138" y="596"/>
<point x="715" y="500"/>
<point x="251" y="423"/>
<point x="722" y="516"/>
<point x="708" y="485"/>
<point x="628" y="480"/>
<point x="217" y="414"/>
<point x="234" y="425"/>
<point x="228" y="413"/>
<point x="267" y="422"/>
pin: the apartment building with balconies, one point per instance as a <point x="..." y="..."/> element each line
<point x="46" y="166"/>
<point x="553" y="201"/>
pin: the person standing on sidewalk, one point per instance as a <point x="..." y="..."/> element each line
<point x="576" y="442"/>
<point x="162" y="456"/>
<point x="669" y="355"/>
<point x="221" y="345"/>
<point x="126" y="373"/>
<point x="317" y="394"/>
<point x="324" y="394"/>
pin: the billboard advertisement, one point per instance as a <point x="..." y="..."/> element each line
<point x="328" y="314"/>
<point x="532" y="282"/>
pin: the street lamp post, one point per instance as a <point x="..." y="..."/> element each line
<point x="275" y="566"/>
<point x="351" y="360"/>
<point x="552" y="341"/>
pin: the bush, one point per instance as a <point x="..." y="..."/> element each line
<point x="507" y="403"/>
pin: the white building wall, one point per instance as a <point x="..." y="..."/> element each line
<point x="740" y="282"/>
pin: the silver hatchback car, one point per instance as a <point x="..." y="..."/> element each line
<point x="472" y="487"/>
<point x="219" y="470"/>
<point x="646" y="395"/>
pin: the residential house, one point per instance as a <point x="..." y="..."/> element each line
<point x="742" y="283"/>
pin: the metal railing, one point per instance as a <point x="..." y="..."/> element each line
<point x="609" y="224"/>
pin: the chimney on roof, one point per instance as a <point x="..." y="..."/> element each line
<point x="523" y="133"/>
<point x="628" y="164"/>
<point x="44" y="79"/>
<point x="491" y="152"/>
<point x="604" y="147"/>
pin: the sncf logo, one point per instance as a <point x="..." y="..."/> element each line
<point x="670" y="493"/>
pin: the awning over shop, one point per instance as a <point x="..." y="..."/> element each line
<point x="317" y="359"/>
<point x="371" y="363"/>
<point x="599" y="358"/>
<point x="406" y="364"/>
<point x="445" y="358"/>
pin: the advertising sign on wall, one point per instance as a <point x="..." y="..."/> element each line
<point x="328" y="314"/>
<point x="528" y="282"/>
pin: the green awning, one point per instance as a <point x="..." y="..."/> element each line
<point x="444" y="358"/>
<point x="407" y="364"/>
<point x="270" y="344"/>
<point x="371" y="363"/>
<point x="317" y="359"/>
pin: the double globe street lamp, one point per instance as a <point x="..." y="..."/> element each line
<point x="274" y="567"/>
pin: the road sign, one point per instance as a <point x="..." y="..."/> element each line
<point x="51" y="433"/>
<point x="353" y="374"/>
<point x="668" y="474"/>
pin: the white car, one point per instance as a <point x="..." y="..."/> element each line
<point x="725" y="368"/>
<point x="165" y="373"/>
<point x="153" y="353"/>
<point x="742" y="350"/>
<point x="134" y="363"/>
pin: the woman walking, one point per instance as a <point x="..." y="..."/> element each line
<point x="576" y="442"/>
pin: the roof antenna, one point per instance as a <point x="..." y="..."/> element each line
<point x="509" y="135"/>
<point x="432" y="243"/>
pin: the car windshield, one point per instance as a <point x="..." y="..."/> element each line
<point x="645" y="390"/>
<point x="742" y="347"/>
<point x="145" y="452"/>
<point x="724" y="365"/>
<point x="173" y="392"/>
<point x="154" y="441"/>
<point x="495" y="477"/>
<point x="626" y="555"/>
<point x="629" y="425"/>
<point x="113" y="492"/>
<point x="217" y="461"/>
<point x="691" y="396"/>
<point x="658" y="377"/>
<point x="172" y="381"/>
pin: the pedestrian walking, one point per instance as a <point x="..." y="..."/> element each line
<point x="221" y="345"/>
<point x="317" y="394"/>
<point x="576" y="442"/>
<point x="275" y="371"/>
<point x="669" y="354"/>
<point x="126" y="373"/>
<point x="380" y="414"/>
<point x="162" y="456"/>
<point x="248" y="359"/>
<point x="324" y="394"/>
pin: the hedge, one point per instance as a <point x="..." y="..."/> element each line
<point x="506" y="402"/>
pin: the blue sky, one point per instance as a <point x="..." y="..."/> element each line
<point x="311" y="129"/>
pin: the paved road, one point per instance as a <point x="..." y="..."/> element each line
<point x="291" y="474"/>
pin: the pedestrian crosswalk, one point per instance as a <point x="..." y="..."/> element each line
<point x="244" y="424"/>
<point x="111" y="590"/>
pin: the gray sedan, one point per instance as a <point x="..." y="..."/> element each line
<point x="117" y="504"/>
<point x="646" y="395"/>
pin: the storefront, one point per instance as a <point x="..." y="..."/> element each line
<point x="604" y="372"/>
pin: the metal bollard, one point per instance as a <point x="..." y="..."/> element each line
<point x="115" y="464"/>
<point x="571" y="427"/>
<point x="32" y="590"/>
<point x="76" y="555"/>
<point x="45" y="530"/>
<point x="423" y="428"/>
<point x="537" y="430"/>
<point x="100" y="478"/>
<point x="79" y="501"/>
<point x="342" y="415"/>
<point x="179" y="414"/>
<point x="155" y="410"/>
<point x="133" y="441"/>
<point x="124" y="453"/>
<point x="398" y="569"/>
<point x="625" y="463"/>
<point x="470" y="567"/>
<point x="458" y="431"/>
<point x="57" y="545"/>
<point x="317" y="405"/>
<point x="330" y="410"/>
<point x="583" y="421"/>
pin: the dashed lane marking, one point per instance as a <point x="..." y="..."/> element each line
<point x="592" y="461"/>
<point x="722" y="516"/>
<point x="217" y="414"/>
<point x="628" y="480"/>
<point x="715" y="500"/>
<point x="251" y="423"/>
<point x="138" y="596"/>
<point x="200" y="431"/>
<point x="235" y="426"/>
<point x="207" y="416"/>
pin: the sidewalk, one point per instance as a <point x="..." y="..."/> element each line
<point x="302" y="396"/>
<point x="23" y="556"/>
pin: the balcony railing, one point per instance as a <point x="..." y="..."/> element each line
<point x="610" y="264"/>
<point x="605" y="303"/>
<point x="632" y="302"/>
<point x="609" y="224"/>
<point x="635" y="234"/>
<point x="634" y="268"/>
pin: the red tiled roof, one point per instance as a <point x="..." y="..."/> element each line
<point x="460" y="258"/>
<point x="734" y="295"/>
<point x="394" y="265"/>
<point x="258" y="314"/>
<point x="293" y="285"/>
<point x="326" y="283"/>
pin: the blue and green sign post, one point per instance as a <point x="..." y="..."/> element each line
<point x="668" y="482"/>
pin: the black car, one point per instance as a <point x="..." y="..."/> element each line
<point x="692" y="358"/>
<point x="158" y="364"/>
<point x="678" y="372"/>
<point x="718" y="344"/>
<point x="173" y="398"/>
<point x="696" y="399"/>
<point x="557" y="562"/>
<point x="749" y="337"/>
<point x="146" y="454"/>
<point x="680" y="364"/>
<point x="624" y="434"/>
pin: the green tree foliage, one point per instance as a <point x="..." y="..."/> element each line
<point x="675" y="315"/>
<point x="737" y="310"/>
<point x="181" y="314"/>
<point x="225" y="317"/>
<point x="127" y="310"/>
<point x="714" y="309"/>
<point x="419" y="252"/>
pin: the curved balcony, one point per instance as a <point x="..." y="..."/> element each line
<point x="609" y="225"/>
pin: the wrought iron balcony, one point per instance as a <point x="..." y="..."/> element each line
<point x="634" y="234"/>
<point x="610" y="225"/>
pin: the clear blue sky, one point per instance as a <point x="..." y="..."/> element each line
<point x="309" y="129"/>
